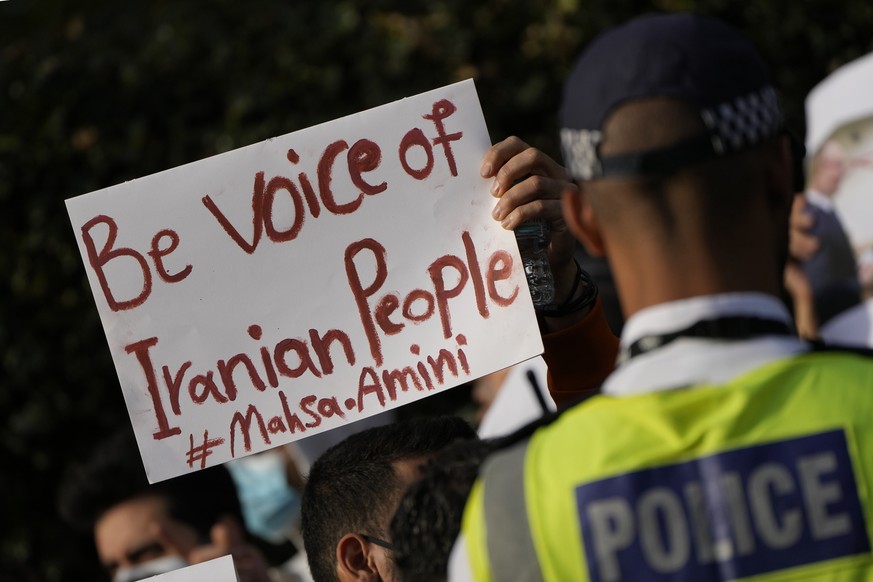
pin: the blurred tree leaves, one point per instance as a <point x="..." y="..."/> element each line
<point x="94" y="92"/>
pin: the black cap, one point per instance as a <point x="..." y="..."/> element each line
<point x="695" y="59"/>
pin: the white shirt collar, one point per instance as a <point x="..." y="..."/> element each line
<point x="823" y="201"/>
<point x="676" y="315"/>
<point x="694" y="361"/>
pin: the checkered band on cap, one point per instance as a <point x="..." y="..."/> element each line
<point x="745" y="121"/>
<point x="733" y="126"/>
<point x="580" y="152"/>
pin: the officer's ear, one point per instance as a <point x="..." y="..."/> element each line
<point x="353" y="562"/>
<point x="581" y="220"/>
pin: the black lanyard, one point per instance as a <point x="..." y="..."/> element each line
<point x="723" y="328"/>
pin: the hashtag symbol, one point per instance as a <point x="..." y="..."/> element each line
<point x="200" y="453"/>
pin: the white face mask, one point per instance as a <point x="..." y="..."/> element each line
<point x="149" y="569"/>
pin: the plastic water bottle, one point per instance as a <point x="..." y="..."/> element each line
<point x="533" y="244"/>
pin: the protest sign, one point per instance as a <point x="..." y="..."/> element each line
<point x="311" y="280"/>
<point x="838" y="196"/>
<point x="217" y="570"/>
<point x="839" y="110"/>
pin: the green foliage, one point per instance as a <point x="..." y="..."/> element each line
<point x="94" y="92"/>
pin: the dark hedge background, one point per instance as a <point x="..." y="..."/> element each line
<point x="95" y="92"/>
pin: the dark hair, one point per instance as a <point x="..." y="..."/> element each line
<point x="351" y="488"/>
<point x="114" y="474"/>
<point x="428" y="518"/>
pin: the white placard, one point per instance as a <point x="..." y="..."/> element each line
<point x="839" y="109"/>
<point x="217" y="570"/>
<point x="295" y="285"/>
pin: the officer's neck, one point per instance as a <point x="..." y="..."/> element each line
<point x="643" y="284"/>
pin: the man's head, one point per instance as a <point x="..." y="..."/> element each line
<point x="134" y="523"/>
<point x="428" y="517"/>
<point x="353" y="490"/>
<point x="673" y="132"/>
<point x="828" y="168"/>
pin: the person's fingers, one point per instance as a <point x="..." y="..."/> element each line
<point x="795" y="280"/>
<point x="798" y="286"/>
<point x="538" y="210"/>
<point x="800" y="219"/>
<point x="499" y="154"/>
<point x="529" y="187"/>
<point x="539" y="199"/>
<point x="535" y="198"/>
<point x="512" y="160"/>
<point x="530" y="162"/>
<point x="802" y="246"/>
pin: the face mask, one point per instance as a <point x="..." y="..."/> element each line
<point x="149" y="569"/>
<point x="270" y="506"/>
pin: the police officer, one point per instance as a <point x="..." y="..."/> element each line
<point x="722" y="447"/>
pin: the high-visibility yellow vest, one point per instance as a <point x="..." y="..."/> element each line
<point x="766" y="477"/>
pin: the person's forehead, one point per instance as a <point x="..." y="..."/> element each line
<point x="128" y="525"/>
